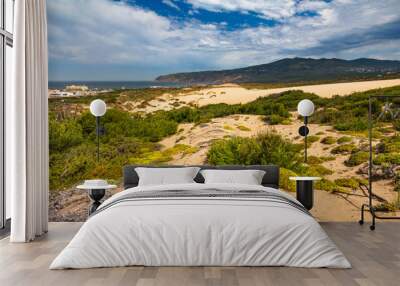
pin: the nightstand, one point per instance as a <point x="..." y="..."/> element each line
<point x="305" y="190"/>
<point x="96" y="191"/>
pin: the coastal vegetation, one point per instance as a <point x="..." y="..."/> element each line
<point x="127" y="137"/>
<point x="344" y="139"/>
<point x="350" y="113"/>
<point x="357" y="158"/>
<point x="266" y="148"/>
<point x="134" y="138"/>
<point x="328" y="140"/>
<point x="270" y="148"/>
<point x="344" y="149"/>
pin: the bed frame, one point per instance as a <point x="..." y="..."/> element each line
<point x="271" y="177"/>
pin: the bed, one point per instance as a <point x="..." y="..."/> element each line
<point x="201" y="224"/>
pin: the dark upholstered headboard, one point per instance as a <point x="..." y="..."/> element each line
<point x="271" y="177"/>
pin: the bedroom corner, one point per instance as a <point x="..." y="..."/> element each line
<point x="197" y="142"/>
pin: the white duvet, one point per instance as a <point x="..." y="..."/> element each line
<point x="200" y="231"/>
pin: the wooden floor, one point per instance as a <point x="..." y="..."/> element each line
<point x="375" y="257"/>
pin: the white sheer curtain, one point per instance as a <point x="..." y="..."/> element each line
<point x="27" y="124"/>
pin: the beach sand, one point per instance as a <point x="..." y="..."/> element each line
<point x="234" y="94"/>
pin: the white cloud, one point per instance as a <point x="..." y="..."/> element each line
<point x="104" y="32"/>
<point x="171" y="4"/>
<point x="275" y="9"/>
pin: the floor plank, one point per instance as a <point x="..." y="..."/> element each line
<point x="375" y="256"/>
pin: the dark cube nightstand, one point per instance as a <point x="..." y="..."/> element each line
<point x="305" y="190"/>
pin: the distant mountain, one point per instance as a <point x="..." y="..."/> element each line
<point x="292" y="70"/>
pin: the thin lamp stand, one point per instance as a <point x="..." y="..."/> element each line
<point x="303" y="131"/>
<point x="98" y="137"/>
<point x="305" y="138"/>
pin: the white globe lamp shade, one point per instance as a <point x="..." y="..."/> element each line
<point x="305" y="107"/>
<point x="98" y="107"/>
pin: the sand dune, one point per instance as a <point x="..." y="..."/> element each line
<point x="234" y="94"/>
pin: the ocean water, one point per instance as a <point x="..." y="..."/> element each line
<point x="112" y="84"/>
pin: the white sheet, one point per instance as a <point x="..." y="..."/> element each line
<point x="212" y="231"/>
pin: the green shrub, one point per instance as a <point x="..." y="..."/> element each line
<point x="396" y="124"/>
<point x="387" y="130"/>
<point x="327" y="158"/>
<point x="388" y="146"/>
<point x="234" y="151"/>
<point x="352" y="123"/>
<point x="344" y="139"/>
<point x="357" y="158"/>
<point x="325" y="116"/>
<point x="318" y="170"/>
<point x="352" y="183"/>
<point x="279" y="151"/>
<point x="387" y="158"/>
<point x="64" y="134"/>
<point x="157" y="157"/>
<point x="343" y="149"/>
<point x="329" y="186"/>
<point x="284" y="182"/>
<point x="266" y="148"/>
<point x="68" y="168"/>
<point x="275" y="119"/>
<point x="181" y="149"/>
<point x="275" y="108"/>
<point x="313" y="138"/>
<point x="151" y="158"/>
<point x="243" y="128"/>
<point x="122" y="124"/>
<point x="329" y="140"/>
<point x="228" y="127"/>
<point x="349" y="113"/>
<point x="397" y="183"/>
<point x="313" y="160"/>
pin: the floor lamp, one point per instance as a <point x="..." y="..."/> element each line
<point x="98" y="108"/>
<point x="305" y="108"/>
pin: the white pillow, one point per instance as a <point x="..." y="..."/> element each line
<point x="166" y="176"/>
<point x="248" y="177"/>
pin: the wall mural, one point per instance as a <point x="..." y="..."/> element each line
<point x="172" y="76"/>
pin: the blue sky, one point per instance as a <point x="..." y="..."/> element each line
<point x="141" y="39"/>
<point x="183" y="11"/>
